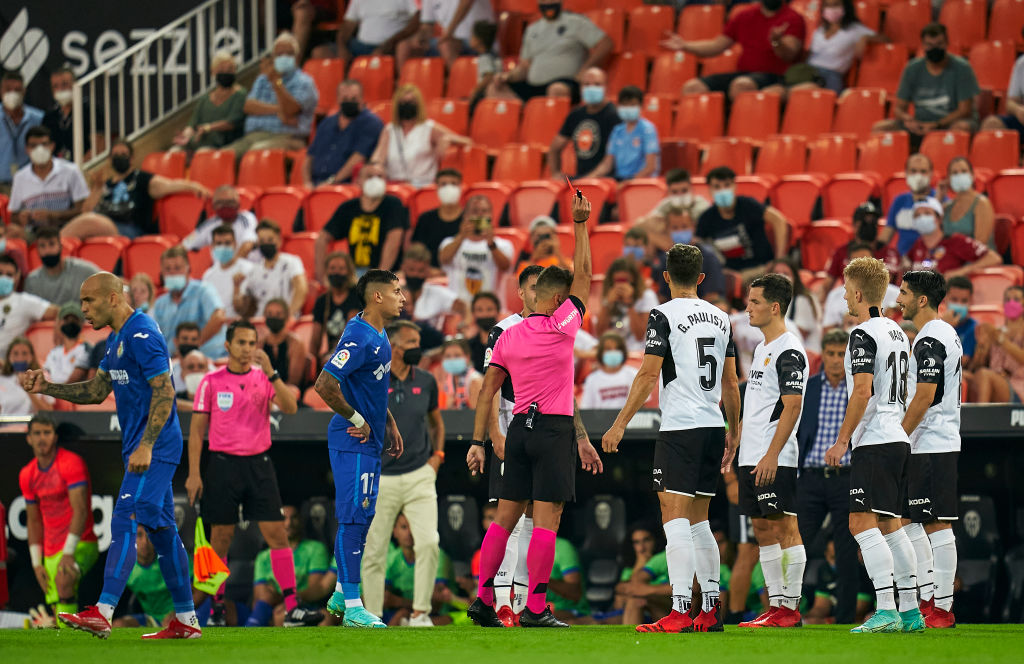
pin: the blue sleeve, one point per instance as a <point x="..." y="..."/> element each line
<point x="314" y="149"/>
<point x="210" y="302"/>
<point x="259" y="87"/>
<point x="103" y="359"/>
<point x="969" y="341"/>
<point x="346" y="359"/>
<point x="306" y="93"/>
<point x="651" y="145"/>
<point x="890" y="218"/>
<point x="150" y="352"/>
<point x="366" y="142"/>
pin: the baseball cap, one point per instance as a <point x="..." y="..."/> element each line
<point x="542" y="220"/>
<point x="930" y="203"/>
<point x="70" y="309"/>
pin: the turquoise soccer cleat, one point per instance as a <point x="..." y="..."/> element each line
<point x="336" y="605"/>
<point x="913" y="620"/>
<point x="357" y="616"/>
<point x="885" y="621"/>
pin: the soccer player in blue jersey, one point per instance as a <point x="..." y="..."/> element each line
<point x="354" y="383"/>
<point x="137" y="367"/>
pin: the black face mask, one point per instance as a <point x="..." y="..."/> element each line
<point x="868" y="230"/>
<point x="935" y="55"/>
<point x="268" y="250"/>
<point x="337" y="280"/>
<point x="225" y="79"/>
<point x="414" y="283"/>
<point x="408" y="110"/>
<point x="71" y="330"/>
<point x="275" y="325"/>
<point x="550" y="10"/>
<point x="350" y="109"/>
<point x="51" y="260"/>
<point x="121" y="163"/>
<point x="185" y="349"/>
<point x="486" y="323"/>
<point x="772" y="5"/>
<point x="412" y="356"/>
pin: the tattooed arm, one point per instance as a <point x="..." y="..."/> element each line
<point x="94" y="390"/>
<point x="329" y="389"/>
<point x="577" y="422"/>
<point x="160" y="405"/>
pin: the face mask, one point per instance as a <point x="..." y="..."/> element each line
<point x="350" y="109"/>
<point x="449" y="194"/>
<point x="959" y="309"/>
<point x="724" y="198"/>
<point x="374" y="187"/>
<point x="62" y="97"/>
<point x="51" y="260"/>
<point x="682" y="200"/>
<point x="771" y="5"/>
<point x="275" y="325"/>
<point x="12" y="100"/>
<point x="486" y="323"/>
<point x="918" y="182"/>
<point x="868" y="230"/>
<point x="612" y="358"/>
<point x="71" y="330"/>
<point x="636" y="253"/>
<point x="6" y="285"/>
<point x="935" y="55"/>
<point x="1013" y="309"/>
<point x="832" y="14"/>
<point x="268" y="250"/>
<point x="592" y="94"/>
<point x="227" y="213"/>
<point x="3" y="245"/>
<point x="223" y="253"/>
<point x="682" y="237"/>
<point x="961" y="182"/>
<point x="412" y="356"/>
<point x="629" y="113"/>
<point x="185" y="349"/>
<point x="192" y="382"/>
<point x="19" y="367"/>
<point x="337" y="280"/>
<point x="550" y="10"/>
<point x="40" y="155"/>
<point x="456" y="366"/>
<point x="415" y="284"/>
<point x="175" y="282"/>
<point x="122" y="163"/>
<point x="924" y="224"/>
<point x="408" y="110"/>
<point x="225" y="79"/>
<point x="284" y="64"/>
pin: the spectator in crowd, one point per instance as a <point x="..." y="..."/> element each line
<point x="545" y="249"/>
<point x="633" y="148"/>
<point x="900" y="218"/>
<point x="643" y="587"/>
<point x="836" y="313"/>
<point x="400" y="582"/>
<point x="803" y="309"/>
<point x="607" y="387"/>
<point x="14" y="252"/>
<point x="998" y="362"/>
<point x="680" y="195"/>
<point x="459" y="381"/>
<point x="485" y="309"/>
<point x="824" y="490"/>
<point x="19" y="357"/>
<point x="194" y="365"/>
<point x="186" y="340"/>
<point x="343" y="141"/>
<point x="952" y="255"/>
<point x="277" y="274"/>
<point x="411" y="146"/>
<point x="488" y="64"/>
<point x="333" y="308"/>
<point x="474" y="258"/>
<point x="958" y="298"/>
<point x="18" y="310"/>
<point x="227" y="265"/>
<point x="557" y="48"/>
<point x="189" y="299"/>
<point x="823" y="609"/>
<point x="626" y="302"/>
<point x="735" y="225"/>
<point x="86" y="367"/>
<point x="124" y="203"/>
<point x="407" y="483"/>
<point x="941" y="86"/>
<point x="311" y="563"/>
<point x="429" y="303"/>
<point x="46" y="193"/>
<point x="678" y="227"/>
<point x="18" y="118"/>
<point x="565" y="588"/>
<point x="1014" y="103"/>
<point x="772" y="38"/>
<point x="444" y="221"/>
<point x="142" y="292"/>
<point x="865" y="231"/>
<point x="59" y="279"/>
<point x="227" y="204"/>
<point x="382" y="25"/>
<point x="70" y="351"/>
<point x="587" y="127"/>
<point x="373" y="224"/>
<point x="279" y="108"/>
<point x="146" y="583"/>
<point x="219" y="116"/>
<point x="839" y="40"/>
<point x="285" y="350"/>
<point x="452" y="21"/>
<point x="59" y="119"/>
<point x="305" y="15"/>
<point x="636" y="246"/>
<point x="969" y="212"/>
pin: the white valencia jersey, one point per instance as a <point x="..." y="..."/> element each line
<point x="879" y="347"/>
<point x="507" y="401"/>
<point x="778" y="369"/>
<point x="693" y="338"/>
<point x="937" y="359"/>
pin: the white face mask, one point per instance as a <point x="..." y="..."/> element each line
<point x="192" y="381"/>
<point x="12" y="100"/>
<point x="449" y="194"/>
<point x="918" y="182"/>
<point x="925" y="224"/>
<point x="374" y="187"/>
<point x="40" y="155"/>
<point x="961" y="182"/>
<point x="62" y="97"/>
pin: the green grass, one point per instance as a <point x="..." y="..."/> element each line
<point x="976" y="644"/>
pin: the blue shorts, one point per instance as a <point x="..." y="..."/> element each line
<point x="356" y="480"/>
<point x="148" y="496"/>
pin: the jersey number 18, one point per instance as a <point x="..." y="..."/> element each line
<point x="898" y="382"/>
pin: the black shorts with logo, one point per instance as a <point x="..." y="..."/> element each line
<point x="777" y="498"/>
<point x="931" y="487"/>
<point x="247" y="481"/>
<point x="689" y="461"/>
<point x="540" y="463"/>
<point x="878" y="478"/>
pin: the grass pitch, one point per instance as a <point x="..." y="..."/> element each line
<point x="977" y="644"/>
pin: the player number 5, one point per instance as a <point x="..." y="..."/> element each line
<point x="709" y="362"/>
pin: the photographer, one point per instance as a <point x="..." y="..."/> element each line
<point x="545" y="248"/>
<point x="474" y="258"/>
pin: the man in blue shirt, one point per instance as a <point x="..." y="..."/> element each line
<point x="137" y="367"/>
<point x="901" y="210"/>
<point x="17" y="118"/>
<point x="354" y="383"/>
<point x="344" y="140"/>
<point x="633" y="147"/>
<point x="189" y="300"/>
<point x="959" y="291"/>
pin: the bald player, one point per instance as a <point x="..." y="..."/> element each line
<point x="137" y="367"/>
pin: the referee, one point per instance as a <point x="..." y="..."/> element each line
<point x="541" y="446"/>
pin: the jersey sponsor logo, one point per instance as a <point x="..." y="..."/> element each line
<point x="919" y="501"/>
<point x="140" y="335"/>
<point x="929" y="362"/>
<point x="858" y="352"/>
<point x="340" y="358"/>
<point x="568" y="319"/>
<point x="349" y="344"/>
<point x="652" y="333"/>
<point x="765" y="496"/>
<point x="120" y="376"/>
<point x="380" y="371"/>
<point x="225" y="400"/>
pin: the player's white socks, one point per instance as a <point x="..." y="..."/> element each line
<point x="503" y="579"/>
<point x="904" y="568"/>
<point x="771" y="566"/>
<point x="188" y="618"/>
<point x="521" y="576"/>
<point x="680" y="558"/>
<point x="794" y="560"/>
<point x="708" y="563"/>
<point x="923" y="551"/>
<point x="106" y="610"/>
<point x="878" y="562"/>
<point x="944" y="551"/>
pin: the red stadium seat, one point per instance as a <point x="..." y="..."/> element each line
<point x="516" y="162"/>
<point x="882" y="65"/>
<point x="531" y="199"/>
<point x="462" y="78"/>
<point x="990" y="283"/>
<point x="884" y="153"/>
<point x="1006" y="191"/>
<point x="625" y="5"/>
<point x="606" y="245"/>
<point x="992" y="63"/>
<point x="995" y="150"/>
<point x="736" y="153"/>
<point x="1006" y="21"/>
<point x="658" y="111"/>
<point x="832" y="153"/>
<point x="4" y="214"/>
<point x="143" y="255"/>
<point x="167" y="164"/>
<point x="302" y="245"/>
<point x="517" y="236"/>
<point x="629" y="68"/>
<point x="638" y="196"/>
<point x="857" y="110"/>
<point x="326" y="73"/>
<point x="495" y="122"/>
<point x="597" y="190"/>
<point x="808" y="112"/>
<point x="320" y="204"/>
<point x="782" y="155"/>
<point x="754" y="115"/>
<point x="421" y="200"/>
<point x="470" y="160"/>
<point x="698" y="22"/>
<point x="904" y="20"/>
<point x="382" y="109"/>
<point x="40" y="335"/>
<point x="647" y="27"/>
<point x="988" y="313"/>
<point x="580" y="6"/>
<point x="452" y="113"/>
<point x="213" y="168"/>
<point x="869" y="13"/>
<point x="671" y="70"/>
<point x="723" y="63"/>
<point x="965" y="22"/>
<point x="262" y="168"/>
<point x="942" y="146"/>
<point x="511" y="25"/>
<point x="199" y="262"/>
<point x="757" y="187"/>
<point x="282" y="204"/>
<point x="542" y="118"/>
<point x="845" y="192"/>
<point x="296" y="176"/>
<point x="612" y="22"/>
<point x="103" y="252"/>
<point x="796" y="195"/>
<point x="820" y="241"/>
<point x="700" y="116"/>
<point x="178" y="214"/>
<point x="496" y="192"/>
<point x="427" y="74"/>
<point x="376" y="73"/>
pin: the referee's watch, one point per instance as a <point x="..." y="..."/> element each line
<point x="274" y="376"/>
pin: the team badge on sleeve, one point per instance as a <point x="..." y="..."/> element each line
<point x="340" y="358"/>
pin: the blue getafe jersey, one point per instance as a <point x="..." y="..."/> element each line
<point x="362" y="365"/>
<point x="134" y="356"/>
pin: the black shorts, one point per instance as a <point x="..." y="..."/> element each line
<point x="540" y="463"/>
<point x="878" y="478"/>
<point x="721" y="82"/>
<point x="764" y="501"/>
<point x="247" y="481"/>
<point x="689" y="461"/>
<point x="741" y="530"/>
<point x="931" y="487"/>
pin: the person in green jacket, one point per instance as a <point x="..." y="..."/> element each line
<point x="399" y="580"/>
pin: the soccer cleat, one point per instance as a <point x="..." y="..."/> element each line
<point x="760" y="620"/>
<point x="784" y="617"/>
<point x="927" y="606"/>
<point x="422" y="620"/>
<point x="300" y="617"/>
<point x="483" y="615"/>
<point x="674" y="622"/>
<point x="913" y="621"/>
<point x="88" y="620"/>
<point x="358" y="616"/>
<point x="508" y="617"/>
<point x="710" y="621"/>
<point x="336" y="605"/>
<point x="176" y="630"/>
<point x="940" y="619"/>
<point x="884" y="621"/>
<point x="218" y="616"/>
<point x="543" y="619"/>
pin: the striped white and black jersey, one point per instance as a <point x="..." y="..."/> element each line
<point x="778" y="369"/>
<point x="937" y="359"/>
<point x="508" y="396"/>
<point x="879" y="347"/>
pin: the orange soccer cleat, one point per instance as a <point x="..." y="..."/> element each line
<point x="176" y="630"/>
<point x="87" y="620"/>
<point x="940" y="619"/>
<point x="674" y="622"/>
<point x="710" y="621"/>
<point x="760" y="620"/>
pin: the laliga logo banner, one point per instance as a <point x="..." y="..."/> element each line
<point x="23" y="49"/>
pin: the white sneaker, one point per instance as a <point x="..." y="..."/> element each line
<point x="422" y="620"/>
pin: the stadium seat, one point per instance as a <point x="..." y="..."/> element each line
<point x="531" y="199"/>
<point x="606" y="245"/>
<point x="496" y="192"/>
<point x="882" y="65"/>
<point x="1006" y="21"/>
<point x="296" y="176"/>
<point x="612" y="22"/>
<point x="796" y="196"/>
<point x="990" y="283"/>
<point x="213" y="168"/>
<point x="326" y="73"/>
<point x="808" y="112"/>
<point x="754" y="115"/>
<point x="580" y="6"/>
<point x="262" y="168"/>
<point x="725" y="62"/>
<point x="658" y="111"/>
<point x="452" y="113"/>
<point x="700" y="116"/>
<point x="625" y="5"/>
<point x="629" y="68"/>
<point x="832" y="153"/>
<point x="736" y="153"/>
<point x="517" y="236"/>
<point x="495" y="122"/>
<point x="782" y="155"/>
<point x="199" y="262"/>
<point x="965" y="23"/>
<point x="820" y="241"/>
<point x="382" y="109"/>
<point x="458" y="526"/>
<point x="671" y="70"/>
<point x="597" y="190"/>
<point x="647" y="27"/>
<point x="320" y="204"/>
<point x="884" y="153"/>
<point x="401" y="191"/>
<point x="857" y="110"/>
<point x="427" y="74"/>
<point x="40" y="335"/>
<point x="5" y="216"/>
<point x="516" y="162"/>
<point x="302" y="245"/>
<point x="143" y="255"/>
<point x="894" y="185"/>
<point x="904" y="20"/>
<point x="941" y="146"/>
<point x="542" y="118"/>
<point x="638" y="196"/>
<point x="282" y="204"/>
<point x="167" y="164"/>
<point x="757" y="187"/>
<point x="995" y="150"/>
<point x="869" y="12"/>
<point x="376" y="73"/>
<point x="679" y="153"/>
<point x="104" y="252"/>
<point x="992" y="62"/>
<point x="1006" y="190"/>
<point x="842" y="195"/>
<point x="470" y="160"/>
<point x="462" y="77"/>
<point x="179" y="214"/>
<point x="511" y="26"/>
<point x="698" y="22"/>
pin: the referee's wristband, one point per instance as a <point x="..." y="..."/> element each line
<point x="70" y="544"/>
<point x="476" y="442"/>
<point x="274" y="376"/>
<point x="357" y="420"/>
<point x="35" y="552"/>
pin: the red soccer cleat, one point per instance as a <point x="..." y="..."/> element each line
<point x="940" y="619"/>
<point x="176" y="630"/>
<point x="508" y="617"/>
<point x="760" y="620"/>
<point x="710" y="621"/>
<point x="674" y="622"/>
<point x="784" y="617"/>
<point x="87" y="620"/>
<point x="927" y="607"/>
